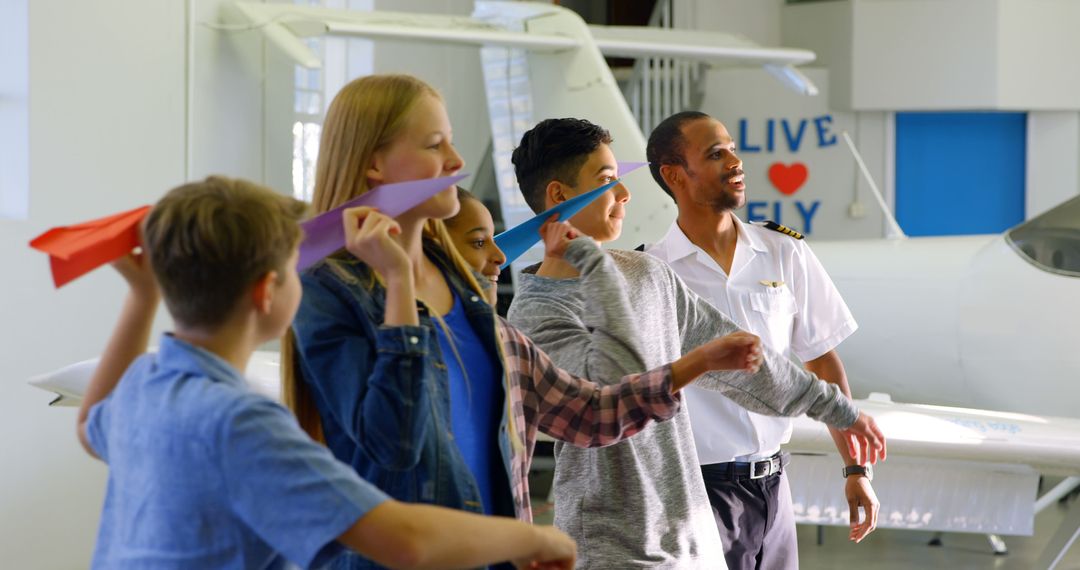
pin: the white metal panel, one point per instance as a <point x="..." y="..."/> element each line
<point x="636" y="41"/>
<point x="959" y="321"/>
<point x="920" y="494"/>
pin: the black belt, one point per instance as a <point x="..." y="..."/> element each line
<point x="760" y="469"/>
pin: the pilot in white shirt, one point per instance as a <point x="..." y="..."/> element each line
<point x="776" y="289"/>
<point x="769" y="282"/>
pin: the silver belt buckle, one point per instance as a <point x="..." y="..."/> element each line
<point x="769" y="466"/>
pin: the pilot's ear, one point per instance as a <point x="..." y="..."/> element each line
<point x="556" y="193"/>
<point x="672" y="174"/>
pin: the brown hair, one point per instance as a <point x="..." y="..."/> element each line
<point x="209" y="241"/>
<point x="365" y="116"/>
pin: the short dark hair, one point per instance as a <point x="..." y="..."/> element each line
<point x="555" y="149"/>
<point x="666" y="145"/>
<point x="209" y="241"/>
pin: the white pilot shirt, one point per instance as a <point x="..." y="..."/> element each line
<point x="777" y="290"/>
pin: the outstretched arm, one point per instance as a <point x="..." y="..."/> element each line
<point x="780" y="387"/>
<point x="588" y="414"/>
<point x="412" y="536"/>
<point x="306" y="504"/>
<point x="129" y="339"/>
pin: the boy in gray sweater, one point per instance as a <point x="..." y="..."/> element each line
<point x="640" y="503"/>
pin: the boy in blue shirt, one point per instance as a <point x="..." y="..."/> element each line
<point x="205" y="473"/>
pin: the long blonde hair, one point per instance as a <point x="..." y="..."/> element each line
<point x="365" y="116"/>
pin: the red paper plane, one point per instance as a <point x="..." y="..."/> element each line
<point x="78" y="249"/>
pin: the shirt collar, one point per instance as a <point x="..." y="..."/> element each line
<point x="676" y="245"/>
<point x="176" y="354"/>
<point x="751" y="238"/>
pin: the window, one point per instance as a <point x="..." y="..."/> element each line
<point x="1051" y="241"/>
<point x="313" y="89"/>
<point x="14" y="111"/>
<point x="308" y="107"/>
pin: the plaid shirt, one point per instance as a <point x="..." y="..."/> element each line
<point x="546" y="398"/>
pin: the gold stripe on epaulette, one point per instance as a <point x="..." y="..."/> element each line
<point x="782" y="229"/>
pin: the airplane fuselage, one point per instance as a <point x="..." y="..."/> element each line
<point x="960" y="321"/>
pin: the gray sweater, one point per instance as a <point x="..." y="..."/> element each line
<point x="641" y="503"/>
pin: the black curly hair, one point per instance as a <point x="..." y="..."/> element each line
<point x="555" y="149"/>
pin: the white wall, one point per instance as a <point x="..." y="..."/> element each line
<point x="945" y="54"/>
<point x="1053" y="159"/>
<point x="899" y="55"/>
<point x="924" y="54"/>
<point x="107" y="133"/>
<point x="1037" y="54"/>
<point x="821" y="27"/>
<point x="758" y="20"/>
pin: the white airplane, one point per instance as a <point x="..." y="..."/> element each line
<point x="962" y="328"/>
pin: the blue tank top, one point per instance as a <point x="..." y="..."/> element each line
<point x="475" y="405"/>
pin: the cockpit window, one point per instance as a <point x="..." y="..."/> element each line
<point x="1051" y="240"/>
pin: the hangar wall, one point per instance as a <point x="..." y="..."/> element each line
<point x="106" y="134"/>
<point x="889" y="56"/>
<point x="110" y="129"/>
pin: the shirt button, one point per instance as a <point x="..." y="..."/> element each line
<point x="414" y="340"/>
<point x="474" y="298"/>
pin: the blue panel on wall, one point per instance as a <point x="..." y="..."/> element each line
<point x="960" y="173"/>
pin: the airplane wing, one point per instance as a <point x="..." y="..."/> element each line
<point x="80" y="248"/>
<point x="286" y="25"/>
<point x="1048" y="444"/>
<point x="948" y="469"/>
<point x="641" y="41"/>
<point x="69" y="383"/>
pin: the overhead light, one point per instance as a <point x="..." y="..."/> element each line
<point x="792" y="77"/>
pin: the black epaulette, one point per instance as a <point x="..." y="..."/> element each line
<point x="769" y="224"/>
<point x="640" y="248"/>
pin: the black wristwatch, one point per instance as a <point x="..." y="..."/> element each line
<point x="864" y="470"/>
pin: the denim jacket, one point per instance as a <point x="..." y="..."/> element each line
<point x="382" y="391"/>
<point x="394" y="428"/>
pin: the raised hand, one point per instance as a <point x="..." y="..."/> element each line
<point x="866" y="443"/>
<point x="368" y="236"/>
<point x="555" y="551"/>
<point x="557" y="236"/>
<point x="135" y="269"/>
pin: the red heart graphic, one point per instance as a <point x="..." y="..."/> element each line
<point x="788" y="179"/>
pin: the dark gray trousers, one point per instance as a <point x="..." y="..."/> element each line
<point x="755" y="519"/>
